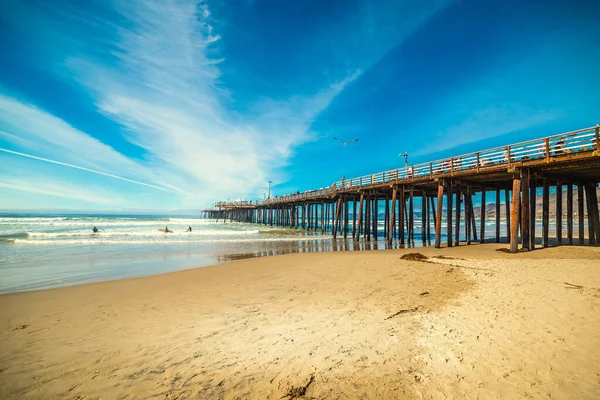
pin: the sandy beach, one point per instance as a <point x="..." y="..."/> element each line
<point x="476" y="324"/>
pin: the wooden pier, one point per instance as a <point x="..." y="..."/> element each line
<point x="454" y="197"/>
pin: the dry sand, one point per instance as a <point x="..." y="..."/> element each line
<point x="494" y="325"/>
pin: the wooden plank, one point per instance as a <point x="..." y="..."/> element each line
<point x="580" y="214"/>
<point x="497" y="215"/>
<point x="545" y="213"/>
<point x="570" y="214"/>
<point x="457" y="218"/>
<point x="514" y="216"/>
<point x="483" y="212"/>
<point x="438" y="215"/>
<point x="449" y="194"/>
<point x="525" y="215"/>
<point x="393" y="216"/>
<point x="558" y="213"/>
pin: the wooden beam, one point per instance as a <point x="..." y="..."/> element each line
<point x="558" y="213"/>
<point x="532" y="211"/>
<point x="457" y="219"/>
<point x="570" y="214"/>
<point x="467" y="217"/>
<point x="507" y="207"/>
<point x="411" y="217"/>
<point x="595" y="213"/>
<point x="482" y="214"/>
<point x="449" y="193"/>
<point x="545" y="213"/>
<point x="346" y="209"/>
<point x="514" y="216"/>
<point x="338" y="209"/>
<point x="580" y="214"/>
<point x="525" y="215"/>
<point x="497" y="215"/>
<point x="472" y="213"/>
<point x="401" y="212"/>
<point x="393" y="216"/>
<point x="360" y="216"/>
<point x="368" y="218"/>
<point x="424" y="218"/>
<point x="429" y="208"/>
<point x="438" y="215"/>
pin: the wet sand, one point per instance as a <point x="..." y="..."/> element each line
<point x="483" y="324"/>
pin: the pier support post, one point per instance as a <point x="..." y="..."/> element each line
<point x="449" y="194"/>
<point x="457" y="219"/>
<point x="558" y="213"/>
<point x="424" y="218"/>
<point x="346" y="209"/>
<point x="337" y="216"/>
<point x="401" y="215"/>
<point x="497" y="215"/>
<point x="482" y="215"/>
<point x="360" y="216"/>
<point x="525" y="209"/>
<point x="393" y="216"/>
<point x="532" y="210"/>
<point x="507" y="207"/>
<point x="545" y="213"/>
<point x="580" y="214"/>
<point x="411" y="219"/>
<point x="570" y="214"/>
<point x="438" y="215"/>
<point x="427" y="212"/>
<point x="472" y="212"/>
<point x="467" y="195"/>
<point x="514" y="216"/>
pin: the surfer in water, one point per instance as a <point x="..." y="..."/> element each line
<point x="189" y="229"/>
<point x="95" y="230"/>
<point x="166" y="229"/>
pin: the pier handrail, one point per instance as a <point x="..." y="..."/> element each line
<point x="548" y="147"/>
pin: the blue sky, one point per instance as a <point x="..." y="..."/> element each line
<point x="175" y="104"/>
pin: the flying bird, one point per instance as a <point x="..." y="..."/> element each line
<point x="346" y="143"/>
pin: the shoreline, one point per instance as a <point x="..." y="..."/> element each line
<point x="363" y="324"/>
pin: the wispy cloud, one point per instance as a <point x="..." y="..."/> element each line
<point x="164" y="90"/>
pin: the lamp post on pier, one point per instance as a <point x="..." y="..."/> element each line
<point x="270" y="189"/>
<point x="405" y="155"/>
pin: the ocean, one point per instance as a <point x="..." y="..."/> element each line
<point x="45" y="251"/>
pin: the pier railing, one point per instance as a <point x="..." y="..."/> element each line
<point x="540" y="150"/>
<point x="584" y="140"/>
